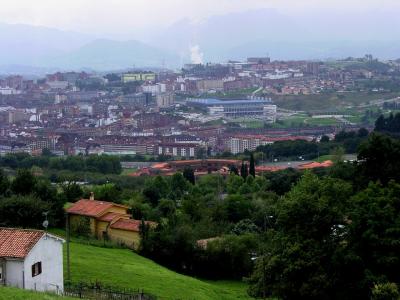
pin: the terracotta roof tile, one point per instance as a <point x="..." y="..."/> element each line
<point x="314" y="164"/>
<point x="17" y="243"/>
<point x="108" y="217"/>
<point x="91" y="208"/>
<point x="129" y="224"/>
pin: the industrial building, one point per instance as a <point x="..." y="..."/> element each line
<point x="139" y="76"/>
<point x="259" y="108"/>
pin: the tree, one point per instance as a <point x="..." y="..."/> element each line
<point x="233" y="183"/>
<point x="23" y="183"/>
<point x="324" y="139"/>
<point x="23" y="211"/>
<point x="237" y="208"/>
<point x="179" y="186"/>
<point x="362" y="132"/>
<point x="155" y="189"/>
<point x="4" y="183"/>
<point x="252" y="169"/>
<point x="244" y="171"/>
<point x="245" y="226"/>
<point x="108" y="192"/>
<point x="46" y="152"/>
<point x="385" y="291"/>
<point x="379" y="159"/>
<point x="166" y="207"/>
<point x="303" y="248"/>
<point x="233" y="170"/>
<point x="72" y="191"/>
<point x="188" y="173"/>
<point x="374" y="231"/>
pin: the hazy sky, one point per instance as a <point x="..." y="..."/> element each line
<point x="122" y="17"/>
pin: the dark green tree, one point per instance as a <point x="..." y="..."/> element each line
<point x="244" y="171"/>
<point x="188" y="173"/>
<point x="252" y="168"/>
<point x="24" y="182"/>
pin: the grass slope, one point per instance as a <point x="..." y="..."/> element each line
<point x="124" y="269"/>
<point x="9" y="293"/>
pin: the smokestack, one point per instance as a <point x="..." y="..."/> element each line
<point x="91" y="196"/>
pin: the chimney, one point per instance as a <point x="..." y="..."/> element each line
<point x="91" y="196"/>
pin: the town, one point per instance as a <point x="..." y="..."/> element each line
<point x="199" y="150"/>
<point x="204" y="110"/>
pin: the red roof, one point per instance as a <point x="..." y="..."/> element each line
<point x="314" y="164"/>
<point x="108" y="217"/>
<point x="17" y="243"/>
<point x="129" y="224"/>
<point x="91" y="208"/>
<point x="126" y="224"/>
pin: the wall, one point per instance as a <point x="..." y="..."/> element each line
<point x="101" y="226"/>
<point x="129" y="238"/>
<point x="49" y="251"/>
<point x="14" y="273"/>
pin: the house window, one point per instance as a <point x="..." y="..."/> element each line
<point x="36" y="269"/>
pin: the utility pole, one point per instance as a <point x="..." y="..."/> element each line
<point x="67" y="229"/>
<point x="264" y="283"/>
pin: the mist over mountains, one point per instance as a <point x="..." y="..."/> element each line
<point x="216" y="39"/>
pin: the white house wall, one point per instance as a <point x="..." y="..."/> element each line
<point x="47" y="250"/>
<point x="14" y="273"/>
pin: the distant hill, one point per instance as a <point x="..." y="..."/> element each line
<point x="26" y="45"/>
<point x="103" y="54"/>
<point x="218" y="38"/>
<point x="33" y="50"/>
<point x="267" y="31"/>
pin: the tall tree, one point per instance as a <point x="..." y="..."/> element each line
<point x="188" y="173"/>
<point x="252" y="168"/>
<point x="244" y="171"/>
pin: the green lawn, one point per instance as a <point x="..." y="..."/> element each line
<point x="321" y="121"/>
<point x="122" y="268"/>
<point x="8" y="293"/>
<point x="327" y="101"/>
<point x="300" y="120"/>
<point x="128" y="171"/>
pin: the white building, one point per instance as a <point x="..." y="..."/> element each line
<point x="237" y="145"/>
<point x="154" y="89"/>
<point x="58" y="85"/>
<point x="165" y="99"/>
<point x="31" y="259"/>
<point x="8" y="91"/>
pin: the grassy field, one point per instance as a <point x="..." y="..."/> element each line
<point x="128" y="171"/>
<point x="8" y="293"/>
<point x="328" y="101"/>
<point x="122" y="268"/>
<point x="300" y="120"/>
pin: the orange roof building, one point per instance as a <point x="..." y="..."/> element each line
<point x="106" y="220"/>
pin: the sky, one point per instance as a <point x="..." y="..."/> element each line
<point x="126" y="18"/>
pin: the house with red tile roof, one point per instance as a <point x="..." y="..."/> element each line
<point x="106" y="220"/>
<point x="31" y="259"/>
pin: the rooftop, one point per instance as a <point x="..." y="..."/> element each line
<point x="91" y="208"/>
<point x="212" y="101"/>
<point x="129" y="224"/>
<point x="17" y="243"/>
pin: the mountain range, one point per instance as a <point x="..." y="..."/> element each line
<point x="30" y="49"/>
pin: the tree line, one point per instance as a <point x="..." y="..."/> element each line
<point x="104" y="164"/>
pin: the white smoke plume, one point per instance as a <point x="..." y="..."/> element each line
<point x="196" y="56"/>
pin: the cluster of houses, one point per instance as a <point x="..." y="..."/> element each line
<point x="33" y="259"/>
